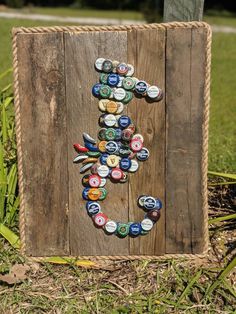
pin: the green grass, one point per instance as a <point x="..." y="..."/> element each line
<point x="222" y="137"/>
<point x="212" y="17"/>
<point x="220" y="18"/>
<point x="64" y="11"/>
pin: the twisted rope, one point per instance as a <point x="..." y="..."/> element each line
<point x="73" y="29"/>
<point x="204" y="162"/>
<point x="19" y="147"/>
<point x="206" y="113"/>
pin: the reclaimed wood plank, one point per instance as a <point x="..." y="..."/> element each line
<point x="81" y="52"/>
<point x="183" y="10"/>
<point x="44" y="142"/>
<point x="146" y="50"/>
<point x="185" y="74"/>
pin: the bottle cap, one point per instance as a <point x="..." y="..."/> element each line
<point x="105" y="91"/>
<point x="130" y="70"/>
<point x="146" y="224"/>
<point x="98" y="64"/>
<point x="93" y="208"/>
<point x="111" y="107"/>
<point x="107" y="66"/>
<point x="125" y="164"/>
<point x="94" y="181"/>
<point x="135" y="229"/>
<point x="128" y="97"/>
<point x="153" y="92"/>
<point x="100" y="219"/>
<point x="103" y="194"/>
<point x="124" y="121"/>
<point x="110" y="120"/>
<point x="134" y="166"/>
<point x="112" y="161"/>
<point x="136" y="145"/>
<point x="141" y="87"/>
<point x="102" y="104"/>
<point x="103" y="78"/>
<point x="122" y="230"/>
<point x="143" y="154"/>
<point x="113" y="79"/>
<point x="110" y="227"/>
<point x="96" y="89"/>
<point x="103" y="171"/>
<point x="94" y="194"/>
<point x="119" y="93"/>
<point x="116" y="174"/>
<point x="122" y="68"/>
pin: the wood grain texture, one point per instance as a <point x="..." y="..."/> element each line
<point x="146" y="50"/>
<point x="81" y="52"/>
<point x="185" y="74"/>
<point x="44" y="142"/>
<point x="183" y="10"/>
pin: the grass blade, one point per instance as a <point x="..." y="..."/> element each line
<point x="2" y="75"/>
<point x="61" y="260"/>
<point x="10" y="236"/>
<point x="6" y="88"/>
<point x="189" y="286"/>
<point x="221" y="218"/>
<point x="4" y="124"/>
<point x="8" y="101"/>
<point x="10" y="215"/>
<point x="3" y="182"/>
<point x="223" y="175"/>
<point x="221" y="277"/>
<point x="222" y="183"/>
<point x="228" y="287"/>
<point x="12" y="182"/>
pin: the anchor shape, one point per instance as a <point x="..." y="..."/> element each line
<point x="113" y="157"/>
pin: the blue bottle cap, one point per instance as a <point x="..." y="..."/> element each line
<point x="158" y="204"/>
<point x="124" y="121"/>
<point x="113" y="79"/>
<point x="143" y="154"/>
<point x="103" y="158"/>
<point x="149" y="203"/>
<point x="85" y="193"/>
<point x="96" y="89"/>
<point x="91" y="147"/>
<point x="141" y="87"/>
<point x="88" y="203"/>
<point x="93" y="208"/>
<point x="118" y="134"/>
<point x="135" y="229"/>
<point x="125" y="164"/>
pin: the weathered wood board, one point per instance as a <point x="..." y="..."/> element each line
<point x="54" y="73"/>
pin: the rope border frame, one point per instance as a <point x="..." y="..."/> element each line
<point x="204" y="159"/>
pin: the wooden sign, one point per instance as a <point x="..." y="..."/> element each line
<point x="54" y="73"/>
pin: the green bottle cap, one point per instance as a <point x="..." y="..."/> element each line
<point x="102" y="134"/>
<point x="103" y="194"/>
<point x="128" y="97"/>
<point x="128" y="83"/>
<point x="93" y="154"/>
<point x="105" y="91"/>
<point x="103" y="78"/>
<point x="110" y="134"/>
<point x="122" y="230"/>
